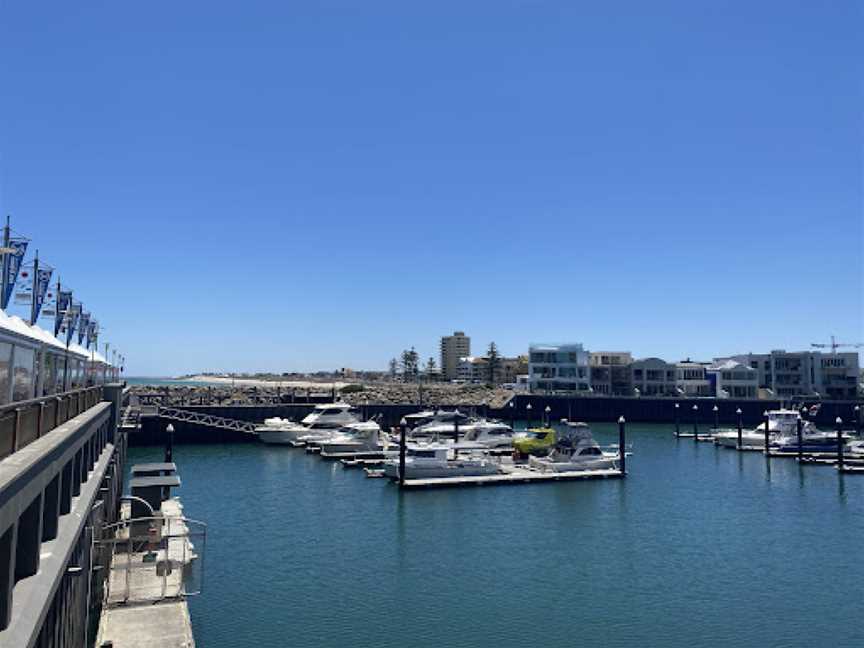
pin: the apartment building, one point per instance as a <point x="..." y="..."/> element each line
<point x="610" y="373"/>
<point x="691" y="379"/>
<point x="731" y="379"/>
<point x="653" y="377"/>
<point x="453" y="347"/>
<point x="559" y="368"/>
<point x="804" y="373"/>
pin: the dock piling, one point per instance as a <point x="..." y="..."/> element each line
<point x="677" y="421"/>
<point x="767" y="447"/>
<point x="839" y="444"/>
<point x="695" y="423"/>
<point x="800" y="427"/>
<point x="169" y="444"/>
<point x="740" y="427"/>
<point x="622" y="453"/>
<point x="402" y="453"/>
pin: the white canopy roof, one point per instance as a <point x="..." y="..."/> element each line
<point x="39" y="336"/>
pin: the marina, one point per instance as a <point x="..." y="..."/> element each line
<point x="602" y="531"/>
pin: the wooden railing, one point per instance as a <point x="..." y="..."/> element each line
<point x="23" y="422"/>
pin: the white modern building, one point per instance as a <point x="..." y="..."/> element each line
<point x="731" y="379"/>
<point x="653" y="377"/>
<point x="691" y="379"/>
<point x="559" y="368"/>
<point x="786" y="374"/>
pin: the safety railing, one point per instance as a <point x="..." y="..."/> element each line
<point x="151" y="559"/>
<point x="23" y="422"/>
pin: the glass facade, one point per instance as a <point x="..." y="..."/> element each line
<point x="5" y="371"/>
<point x="23" y="374"/>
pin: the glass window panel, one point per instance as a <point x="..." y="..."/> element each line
<point x="22" y="374"/>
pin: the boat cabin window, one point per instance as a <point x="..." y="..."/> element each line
<point x="430" y="454"/>
<point x="590" y="451"/>
<point x="539" y="435"/>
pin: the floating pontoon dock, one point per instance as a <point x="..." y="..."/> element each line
<point x="514" y="476"/>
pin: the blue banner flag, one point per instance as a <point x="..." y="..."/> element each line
<point x="72" y="321"/>
<point x="92" y="332"/>
<point x="64" y="298"/>
<point x="83" y="327"/>
<point x="42" y="280"/>
<point x="12" y="261"/>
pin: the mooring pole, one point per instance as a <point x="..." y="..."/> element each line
<point x="765" y="414"/>
<point x="622" y="453"/>
<point x="839" y="443"/>
<point x="740" y="427"/>
<point x="677" y="421"/>
<point x="402" y="453"/>
<point x="456" y="428"/>
<point x="857" y="411"/>
<point x="695" y="422"/>
<point x="169" y="443"/>
<point x="799" y="432"/>
<point x="716" y="419"/>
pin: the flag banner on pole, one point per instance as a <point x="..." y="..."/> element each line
<point x="72" y="321"/>
<point x="49" y="304"/>
<point x="23" y="294"/>
<point x="83" y="327"/>
<point x="64" y="297"/>
<point x="43" y="282"/>
<point x="92" y="332"/>
<point x="15" y="259"/>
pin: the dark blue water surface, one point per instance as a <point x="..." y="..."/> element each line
<point x="699" y="546"/>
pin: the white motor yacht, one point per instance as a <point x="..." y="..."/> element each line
<point x="323" y="420"/>
<point x="492" y="434"/>
<point x="575" y="449"/>
<point x="781" y="423"/>
<point x="355" y="438"/>
<point x="434" y="460"/>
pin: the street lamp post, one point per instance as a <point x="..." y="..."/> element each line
<point x="716" y="418"/>
<point x="548" y="419"/>
<point x="528" y="416"/>
<point x="512" y="415"/>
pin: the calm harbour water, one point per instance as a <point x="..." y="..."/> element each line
<point x="699" y="546"/>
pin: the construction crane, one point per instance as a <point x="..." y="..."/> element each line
<point x="836" y="345"/>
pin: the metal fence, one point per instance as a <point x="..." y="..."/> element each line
<point x="23" y="422"/>
<point x="151" y="559"/>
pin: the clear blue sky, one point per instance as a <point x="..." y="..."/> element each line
<point x="276" y="185"/>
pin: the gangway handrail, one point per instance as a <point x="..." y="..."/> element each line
<point x="200" y="418"/>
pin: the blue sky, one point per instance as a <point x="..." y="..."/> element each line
<point x="275" y="186"/>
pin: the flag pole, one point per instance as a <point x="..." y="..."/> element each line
<point x="68" y="338"/>
<point x="5" y="261"/>
<point x="35" y="288"/>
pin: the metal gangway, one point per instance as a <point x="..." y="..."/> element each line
<point x="200" y="418"/>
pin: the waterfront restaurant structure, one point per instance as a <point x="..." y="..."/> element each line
<point x="34" y="363"/>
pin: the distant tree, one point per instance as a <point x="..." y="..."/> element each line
<point x="431" y="366"/>
<point x="394" y="367"/>
<point x="493" y="363"/>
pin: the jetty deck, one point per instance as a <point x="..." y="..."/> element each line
<point x="146" y="605"/>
